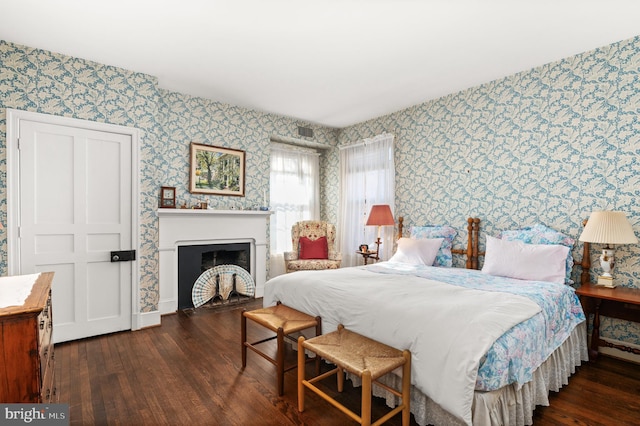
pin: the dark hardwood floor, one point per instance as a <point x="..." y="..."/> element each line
<point x="188" y="372"/>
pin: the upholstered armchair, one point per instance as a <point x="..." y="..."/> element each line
<point x="314" y="244"/>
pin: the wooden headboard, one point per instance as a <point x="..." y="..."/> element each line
<point x="472" y="251"/>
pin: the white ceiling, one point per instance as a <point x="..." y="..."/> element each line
<point x="329" y="62"/>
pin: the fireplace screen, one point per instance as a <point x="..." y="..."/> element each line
<point x="222" y="283"/>
<point x="194" y="260"/>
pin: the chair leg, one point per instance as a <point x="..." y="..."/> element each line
<point x="365" y="413"/>
<point x="301" y="365"/>
<point x="280" y="361"/>
<point x="243" y="336"/>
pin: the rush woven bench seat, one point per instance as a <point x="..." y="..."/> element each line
<point x="364" y="357"/>
<point x="283" y="321"/>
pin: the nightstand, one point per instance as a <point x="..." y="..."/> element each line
<point x="620" y="302"/>
<point x="366" y="255"/>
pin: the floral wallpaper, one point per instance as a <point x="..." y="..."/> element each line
<point x="547" y="146"/>
<point x="45" y="82"/>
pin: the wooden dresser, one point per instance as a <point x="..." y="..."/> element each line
<point x="26" y="348"/>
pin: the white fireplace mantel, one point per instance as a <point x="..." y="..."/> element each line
<point x="181" y="227"/>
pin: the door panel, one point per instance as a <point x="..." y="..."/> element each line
<point x="75" y="192"/>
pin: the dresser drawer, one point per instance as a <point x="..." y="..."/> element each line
<point x="46" y="358"/>
<point x="26" y="346"/>
<point x="48" y="391"/>
<point x="45" y="321"/>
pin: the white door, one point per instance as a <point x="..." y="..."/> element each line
<point x="75" y="192"/>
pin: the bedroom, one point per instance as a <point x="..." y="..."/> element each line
<point x="543" y="162"/>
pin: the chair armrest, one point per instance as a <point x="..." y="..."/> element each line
<point x="290" y="255"/>
<point x="335" y="255"/>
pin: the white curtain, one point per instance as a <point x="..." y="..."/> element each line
<point x="294" y="196"/>
<point x="367" y="175"/>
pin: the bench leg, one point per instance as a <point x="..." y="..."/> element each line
<point x="243" y="336"/>
<point x="301" y="365"/>
<point x="406" y="388"/>
<point x="365" y="413"/>
<point x="280" y="361"/>
<point x="318" y="333"/>
<point x="340" y="371"/>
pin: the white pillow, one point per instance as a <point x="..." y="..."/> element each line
<point x="421" y="251"/>
<point x="533" y="262"/>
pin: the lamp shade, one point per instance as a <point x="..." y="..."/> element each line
<point x="380" y="215"/>
<point x="608" y="227"/>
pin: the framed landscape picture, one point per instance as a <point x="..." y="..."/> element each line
<point x="217" y="171"/>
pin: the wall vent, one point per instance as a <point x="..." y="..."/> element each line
<point x="305" y="131"/>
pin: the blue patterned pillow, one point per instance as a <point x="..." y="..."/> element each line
<point x="444" y="257"/>
<point x="541" y="234"/>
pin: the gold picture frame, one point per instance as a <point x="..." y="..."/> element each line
<point x="215" y="170"/>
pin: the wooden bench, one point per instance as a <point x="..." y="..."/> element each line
<point x="364" y="357"/>
<point x="283" y="321"/>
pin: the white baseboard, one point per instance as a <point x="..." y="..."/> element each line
<point x="617" y="353"/>
<point x="146" y="319"/>
<point x="169" y="306"/>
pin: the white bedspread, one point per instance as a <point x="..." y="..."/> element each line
<point x="447" y="328"/>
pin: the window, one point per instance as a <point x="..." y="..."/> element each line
<point x="367" y="174"/>
<point x="294" y="196"/>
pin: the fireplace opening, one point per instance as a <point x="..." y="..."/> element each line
<point x="193" y="260"/>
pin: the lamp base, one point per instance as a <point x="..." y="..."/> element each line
<point x="606" y="282"/>
<point x="378" y="242"/>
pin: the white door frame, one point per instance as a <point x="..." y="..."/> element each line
<point x="13" y="190"/>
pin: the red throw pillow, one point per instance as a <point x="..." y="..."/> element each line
<point x="313" y="249"/>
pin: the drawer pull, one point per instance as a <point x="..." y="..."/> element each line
<point x="41" y="324"/>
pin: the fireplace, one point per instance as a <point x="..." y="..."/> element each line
<point x="193" y="260"/>
<point x="180" y="228"/>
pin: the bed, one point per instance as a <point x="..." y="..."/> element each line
<point x="487" y="347"/>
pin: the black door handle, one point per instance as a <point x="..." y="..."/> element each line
<point x="123" y="256"/>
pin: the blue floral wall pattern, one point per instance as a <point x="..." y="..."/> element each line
<point x="548" y="145"/>
<point x="46" y="82"/>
